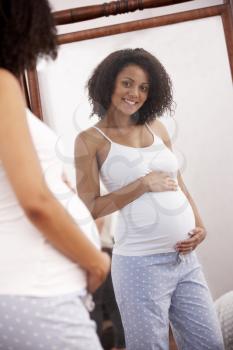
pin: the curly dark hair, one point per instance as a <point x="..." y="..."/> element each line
<point x="27" y="31"/>
<point x="102" y="83"/>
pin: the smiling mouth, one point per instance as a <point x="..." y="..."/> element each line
<point x="129" y="102"/>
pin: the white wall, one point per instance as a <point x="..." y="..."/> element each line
<point x="195" y="55"/>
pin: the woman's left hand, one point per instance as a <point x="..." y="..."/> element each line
<point x="197" y="235"/>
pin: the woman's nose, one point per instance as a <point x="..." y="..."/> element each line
<point x="134" y="91"/>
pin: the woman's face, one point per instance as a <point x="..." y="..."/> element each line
<point x="131" y="89"/>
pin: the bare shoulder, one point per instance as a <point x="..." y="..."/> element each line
<point x="7" y="80"/>
<point x="10" y="91"/>
<point x="88" y="142"/>
<point x="5" y="74"/>
<point x="160" y="130"/>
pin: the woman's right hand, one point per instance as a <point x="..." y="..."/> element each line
<point x="159" y="181"/>
<point x="97" y="275"/>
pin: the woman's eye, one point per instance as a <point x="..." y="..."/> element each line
<point x="144" y="88"/>
<point x="126" y="83"/>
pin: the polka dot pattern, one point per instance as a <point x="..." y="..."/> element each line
<point x="155" y="290"/>
<point x="54" y="323"/>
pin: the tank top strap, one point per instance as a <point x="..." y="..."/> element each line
<point x="102" y="133"/>
<point x="150" y="130"/>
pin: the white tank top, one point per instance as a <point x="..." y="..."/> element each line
<point x="29" y="265"/>
<point x="156" y="221"/>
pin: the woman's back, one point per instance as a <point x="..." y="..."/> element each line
<point x="34" y="266"/>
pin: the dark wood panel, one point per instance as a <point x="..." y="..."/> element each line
<point x="141" y="24"/>
<point x="35" y="101"/>
<point x="227" y="19"/>
<point x="24" y="87"/>
<point x="84" y="13"/>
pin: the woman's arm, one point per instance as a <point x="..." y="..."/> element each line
<point x="88" y="183"/>
<point x="199" y="233"/>
<point x="100" y="224"/>
<point x="23" y="170"/>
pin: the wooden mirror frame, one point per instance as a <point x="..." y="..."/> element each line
<point x="224" y="10"/>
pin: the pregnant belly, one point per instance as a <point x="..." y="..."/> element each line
<point x="157" y="219"/>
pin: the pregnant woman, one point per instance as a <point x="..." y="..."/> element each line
<point x="49" y="255"/>
<point x="156" y="275"/>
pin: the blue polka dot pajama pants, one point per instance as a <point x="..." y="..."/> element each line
<point x="153" y="290"/>
<point x="47" y="323"/>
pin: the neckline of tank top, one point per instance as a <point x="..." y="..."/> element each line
<point x="155" y="138"/>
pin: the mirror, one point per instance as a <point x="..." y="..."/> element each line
<point x="195" y="52"/>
